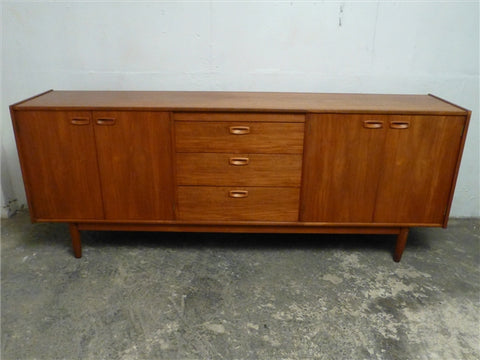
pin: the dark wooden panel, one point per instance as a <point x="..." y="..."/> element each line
<point x="57" y="152"/>
<point x="239" y="169"/>
<point x="419" y="169"/>
<point x="262" y="137"/>
<point x="258" y="203"/>
<point x="135" y="158"/>
<point x="343" y="159"/>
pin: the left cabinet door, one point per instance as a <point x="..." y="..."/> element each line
<point x="135" y="161"/>
<point x="59" y="164"/>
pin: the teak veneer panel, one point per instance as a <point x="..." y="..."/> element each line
<point x="134" y="152"/>
<point x="260" y="204"/>
<point x="241" y="101"/>
<point x="418" y="171"/>
<point x="236" y="227"/>
<point x="258" y="169"/>
<point x="59" y="164"/>
<point x="342" y="163"/>
<point x="386" y="173"/>
<point x="242" y="117"/>
<point x="263" y="137"/>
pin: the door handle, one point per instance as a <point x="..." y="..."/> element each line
<point x="399" y="125"/>
<point x="80" y="121"/>
<point x="373" y="124"/>
<point x="237" y="194"/>
<point x="106" y="121"/>
<point x="239" y="130"/>
<point x="239" y="161"/>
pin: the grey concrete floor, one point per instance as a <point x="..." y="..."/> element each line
<point x="238" y="296"/>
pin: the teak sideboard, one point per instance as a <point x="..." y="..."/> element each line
<point x="239" y="161"/>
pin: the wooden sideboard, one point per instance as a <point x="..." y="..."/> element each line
<point x="239" y="161"/>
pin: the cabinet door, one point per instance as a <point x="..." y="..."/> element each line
<point x="343" y="159"/>
<point x="57" y="152"/>
<point x="135" y="161"/>
<point x="421" y="153"/>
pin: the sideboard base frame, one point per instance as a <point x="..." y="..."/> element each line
<point x="401" y="232"/>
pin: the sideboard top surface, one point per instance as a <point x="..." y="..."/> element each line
<point x="240" y="101"/>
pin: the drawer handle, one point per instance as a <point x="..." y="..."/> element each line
<point x="80" y="121"/>
<point x="239" y="161"/>
<point x="106" y="121"/>
<point x="373" y="124"/>
<point x="399" y="125"/>
<point x="239" y="130"/>
<point x="238" y="194"/>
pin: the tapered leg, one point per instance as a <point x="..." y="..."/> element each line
<point x="400" y="246"/>
<point x="76" y="241"/>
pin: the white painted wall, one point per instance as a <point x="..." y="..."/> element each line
<point x="373" y="47"/>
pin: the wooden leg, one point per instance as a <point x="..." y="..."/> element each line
<point x="400" y="246"/>
<point x="76" y="241"/>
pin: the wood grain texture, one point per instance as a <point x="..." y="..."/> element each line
<point x="295" y="223"/>
<point x="342" y="163"/>
<point x="242" y="117"/>
<point x="400" y="244"/>
<point x="214" y="203"/>
<point x="216" y="137"/>
<point x="419" y="169"/>
<point x="242" y="101"/>
<point x="457" y="167"/>
<point x="216" y="169"/>
<point x="13" y="106"/>
<point x="388" y="175"/>
<point x="135" y="164"/>
<point x="76" y="240"/>
<point x="371" y="163"/>
<point x="59" y="164"/>
<point x="228" y="227"/>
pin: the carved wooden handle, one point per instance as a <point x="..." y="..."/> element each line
<point x="239" y="130"/>
<point x="238" y="194"/>
<point x="80" y="121"/>
<point x="239" y="161"/>
<point x="399" y="125"/>
<point x="105" y="121"/>
<point x="373" y="124"/>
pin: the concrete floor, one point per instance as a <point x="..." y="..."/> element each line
<point x="240" y="296"/>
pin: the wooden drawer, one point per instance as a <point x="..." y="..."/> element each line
<point x="245" y="117"/>
<point x="238" y="203"/>
<point x="239" y="169"/>
<point x="239" y="137"/>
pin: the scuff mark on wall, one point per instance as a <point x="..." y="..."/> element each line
<point x="9" y="209"/>
<point x="340" y="14"/>
<point x="9" y="203"/>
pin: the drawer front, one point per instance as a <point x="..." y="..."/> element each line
<point x="238" y="169"/>
<point x="237" y="203"/>
<point x="239" y="137"/>
<point x="261" y="117"/>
